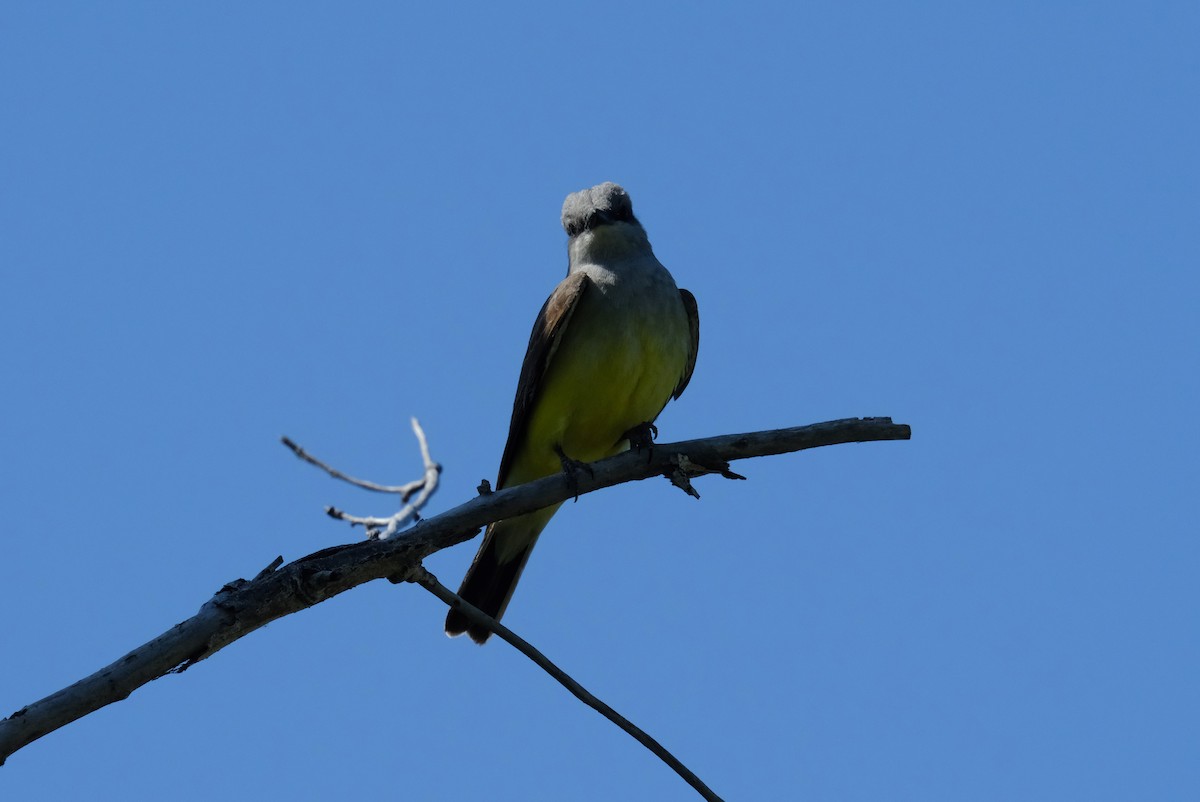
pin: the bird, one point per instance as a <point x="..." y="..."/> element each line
<point x="614" y="342"/>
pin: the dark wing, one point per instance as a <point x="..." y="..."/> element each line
<point x="693" y="316"/>
<point x="543" y="342"/>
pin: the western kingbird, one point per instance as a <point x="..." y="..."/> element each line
<point x="613" y="343"/>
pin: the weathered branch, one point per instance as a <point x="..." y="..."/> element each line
<point x="242" y="606"/>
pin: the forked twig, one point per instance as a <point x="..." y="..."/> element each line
<point x="382" y="528"/>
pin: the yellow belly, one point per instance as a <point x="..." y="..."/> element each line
<point x="610" y="373"/>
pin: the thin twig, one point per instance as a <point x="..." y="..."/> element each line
<point x="422" y="577"/>
<point x="382" y="528"/>
<point x="404" y="490"/>
<point x="428" y="484"/>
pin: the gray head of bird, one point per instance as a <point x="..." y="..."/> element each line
<point x="603" y="204"/>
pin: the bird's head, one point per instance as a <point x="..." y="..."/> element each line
<point x="603" y="204"/>
<point x="601" y="225"/>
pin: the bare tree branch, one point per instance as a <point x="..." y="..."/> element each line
<point x="428" y="581"/>
<point x="242" y="606"/>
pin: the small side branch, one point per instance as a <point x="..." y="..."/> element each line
<point x="382" y="528"/>
<point x="428" y="581"/>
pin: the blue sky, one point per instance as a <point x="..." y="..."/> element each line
<point x="227" y="222"/>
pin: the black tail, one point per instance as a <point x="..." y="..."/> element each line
<point x="488" y="585"/>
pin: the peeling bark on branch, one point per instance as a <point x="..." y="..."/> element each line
<point x="243" y="606"/>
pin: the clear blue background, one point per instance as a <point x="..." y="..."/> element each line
<point x="224" y="222"/>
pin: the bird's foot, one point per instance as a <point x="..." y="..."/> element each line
<point x="572" y="468"/>
<point x="641" y="437"/>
